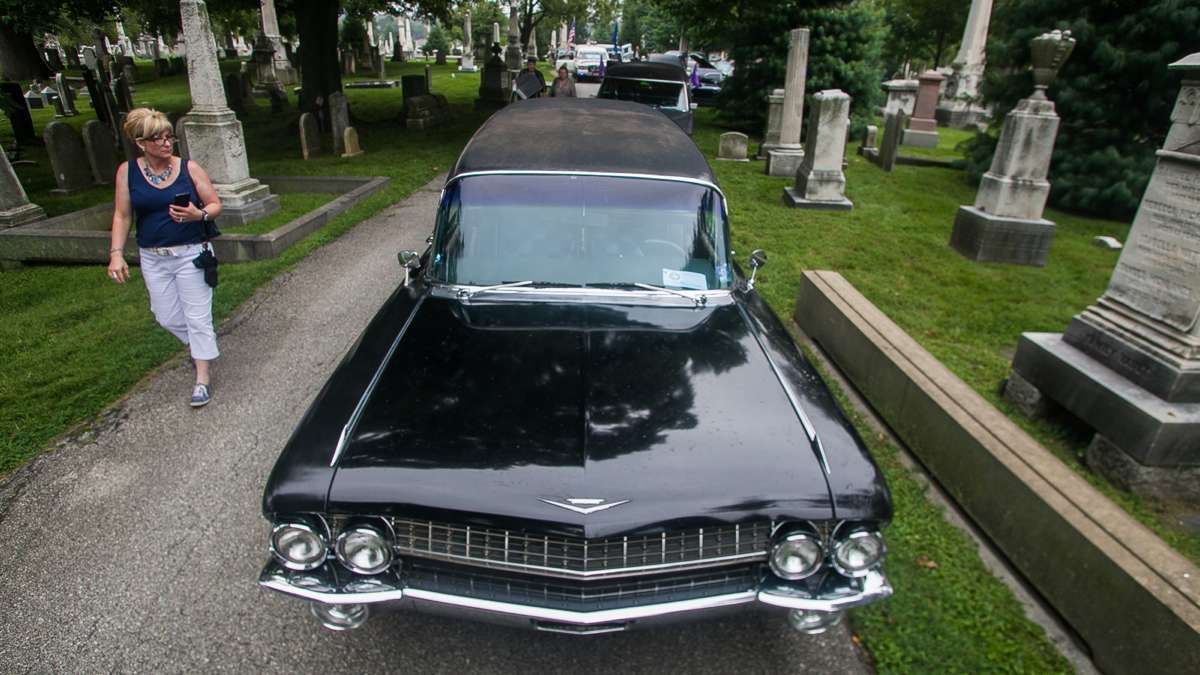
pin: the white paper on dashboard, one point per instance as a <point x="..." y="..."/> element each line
<point x="686" y="280"/>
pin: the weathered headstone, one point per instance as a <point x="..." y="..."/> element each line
<point x="425" y="112"/>
<point x="785" y="160"/>
<point x="33" y="97"/>
<point x="350" y="143"/>
<point x="101" y="152"/>
<point x="467" y="64"/>
<point x="124" y="97"/>
<point x="1005" y="224"/>
<point x="18" y="113"/>
<point x="901" y="95"/>
<point x="348" y="68"/>
<point x="214" y="135"/>
<point x="733" y="147"/>
<point x="128" y="147"/>
<point x="820" y="183"/>
<point x="181" y="144"/>
<point x="15" y="208"/>
<point x="922" y="129"/>
<point x="98" y="100"/>
<point x="233" y="93"/>
<point x="285" y="74"/>
<point x="66" y="94"/>
<point x="959" y="107"/>
<point x="59" y="110"/>
<point x="512" y="51"/>
<point x="339" y="119"/>
<point x="310" y="136"/>
<point x="889" y="147"/>
<point x="128" y="70"/>
<point x="65" y="148"/>
<point x="774" y="118"/>
<point x="1129" y="365"/>
<point x="870" y="142"/>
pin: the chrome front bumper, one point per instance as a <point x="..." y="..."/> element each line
<point x="322" y="586"/>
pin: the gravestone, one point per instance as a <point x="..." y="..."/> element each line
<point x="512" y="50"/>
<point x="889" y="147"/>
<point x="124" y="97"/>
<point x="101" y="150"/>
<point x="774" y="117"/>
<point x="15" y="208"/>
<point x="785" y="159"/>
<point x="18" y="113"/>
<point x="128" y="147"/>
<point x="278" y="98"/>
<point x="65" y="147"/>
<point x="348" y="69"/>
<point x="97" y="99"/>
<point x="820" y="183"/>
<point x="733" y="147"/>
<point x="424" y="112"/>
<point x="467" y="64"/>
<point x="162" y="67"/>
<point x="1129" y="365"/>
<point x="181" y="145"/>
<point x="412" y="85"/>
<point x="310" y="136"/>
<point x="59" y="110"/>
<point x="350" y="143"/>
<point x="33" y="97"/>
<point x="869" y="147"/>
<point x="53" y="60"/>
<point x="339" y="119"/>
<point x="922" y="130"/>
<point x="1005" y="225"/>
<point x="128" y="70"/>
<point x="495" y="83"/>
<point x="66" y="94"/>
<point x="901" y="95"/>
<point x="233" y="93"/>
<point x="959" y="107"/>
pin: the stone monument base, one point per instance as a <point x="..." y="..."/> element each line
<point x="983" y="237"/>
<point x="244" y="202"/>
<point x="919" y="139"/>
<point x="1153" y="432"/>
<point x="764" y="149"/>
<point x="1174" y="483"/>
<point x="795" y="199"/>
<point x="784" y="161"/>
<point x="25" y="213"/>
<point x="962" y="117"/>
<point x="1113" y="332"/>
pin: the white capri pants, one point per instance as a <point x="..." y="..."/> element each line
<point x="179" y="298"/>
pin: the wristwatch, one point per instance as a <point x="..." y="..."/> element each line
<point x="203" y="216"/>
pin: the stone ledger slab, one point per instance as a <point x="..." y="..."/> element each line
<point x="1122" y="589"/>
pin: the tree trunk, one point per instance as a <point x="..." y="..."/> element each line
<point x="19" y="57"/>
<point x="320" y="72"/>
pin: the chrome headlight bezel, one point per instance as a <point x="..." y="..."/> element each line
<point x="299" y="566"/>
<point x="797" y="540"/>
<point x="360" y="530"/>
<point x="856" y="538"/>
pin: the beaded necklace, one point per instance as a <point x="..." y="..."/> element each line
<point x="156" y="178"/>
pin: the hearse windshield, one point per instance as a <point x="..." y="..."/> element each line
<point x="581" y="230"/>
<point x="657" y="93"/>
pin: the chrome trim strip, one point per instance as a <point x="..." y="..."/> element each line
<point x="720" y="296"/>
<point x="792" y="399"/>
<point x="593" y="574"/>
<point x="332" y="598"/>
<point x="582" y="618"/>
<point x="344" y="438"/>
<point x="606" y="174"/>
<point x="875" y="586"/>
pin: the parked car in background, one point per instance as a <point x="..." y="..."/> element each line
<point x="590" y="62"/>
<point x="706" y="84"/>
<point x="576" y="414"/>
<point x="659" y="85"/>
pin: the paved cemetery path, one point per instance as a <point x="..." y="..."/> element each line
<point x="139" y="551"/>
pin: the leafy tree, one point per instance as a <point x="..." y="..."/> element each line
<point x="924" y="31"/>
<point x="1114" y="94"/>
<point x="21" y="20"/>
<point x="845" y="44"/>
<point x="483" y="14"/>
<point x="437" y="41"/>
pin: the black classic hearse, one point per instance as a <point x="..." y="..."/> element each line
<point x="576" y="414"/>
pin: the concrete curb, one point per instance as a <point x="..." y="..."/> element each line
<point x="1133" y="600"/>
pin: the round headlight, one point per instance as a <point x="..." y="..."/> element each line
<point x="297" y="546"/>
<point x="796" y="556"/>
<point x="363" y="550"/>
<point x="858" y="553"/>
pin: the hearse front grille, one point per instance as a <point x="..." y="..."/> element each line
<point x="582" y="595"/>
<point x="576" y="557"/>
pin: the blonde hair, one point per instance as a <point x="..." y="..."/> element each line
<point x="142" y="123"/>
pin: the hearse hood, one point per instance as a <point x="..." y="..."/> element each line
<point x="487" y="409"/>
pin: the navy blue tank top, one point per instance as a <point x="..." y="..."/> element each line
<point x="154" y="225"/>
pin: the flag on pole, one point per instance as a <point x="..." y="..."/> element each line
<point x="695" y="74"/>
<point x="614" y="35"/>
<point x="571" y="35"/>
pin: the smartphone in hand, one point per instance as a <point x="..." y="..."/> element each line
<point x="182" y="199"/>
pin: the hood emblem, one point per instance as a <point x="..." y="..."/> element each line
<point x="584" y="506"/>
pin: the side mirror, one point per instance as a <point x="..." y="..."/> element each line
<point x="409" y="260"/>
<point x="758" y="258"/>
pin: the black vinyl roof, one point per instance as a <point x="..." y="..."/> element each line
<point x="647" y="71"/>
<point x="578" y="134"/>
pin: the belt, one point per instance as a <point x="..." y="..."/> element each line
<point x="172" y="251"/>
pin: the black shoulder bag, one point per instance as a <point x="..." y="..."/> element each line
<point x="207" y="260"/>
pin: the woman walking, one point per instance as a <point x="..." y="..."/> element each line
<point x="169" y="237"/>
<point x="563" y="85"/>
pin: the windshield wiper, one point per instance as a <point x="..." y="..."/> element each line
<point x="698" y="300"/>
<point x="464" y="293"/>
